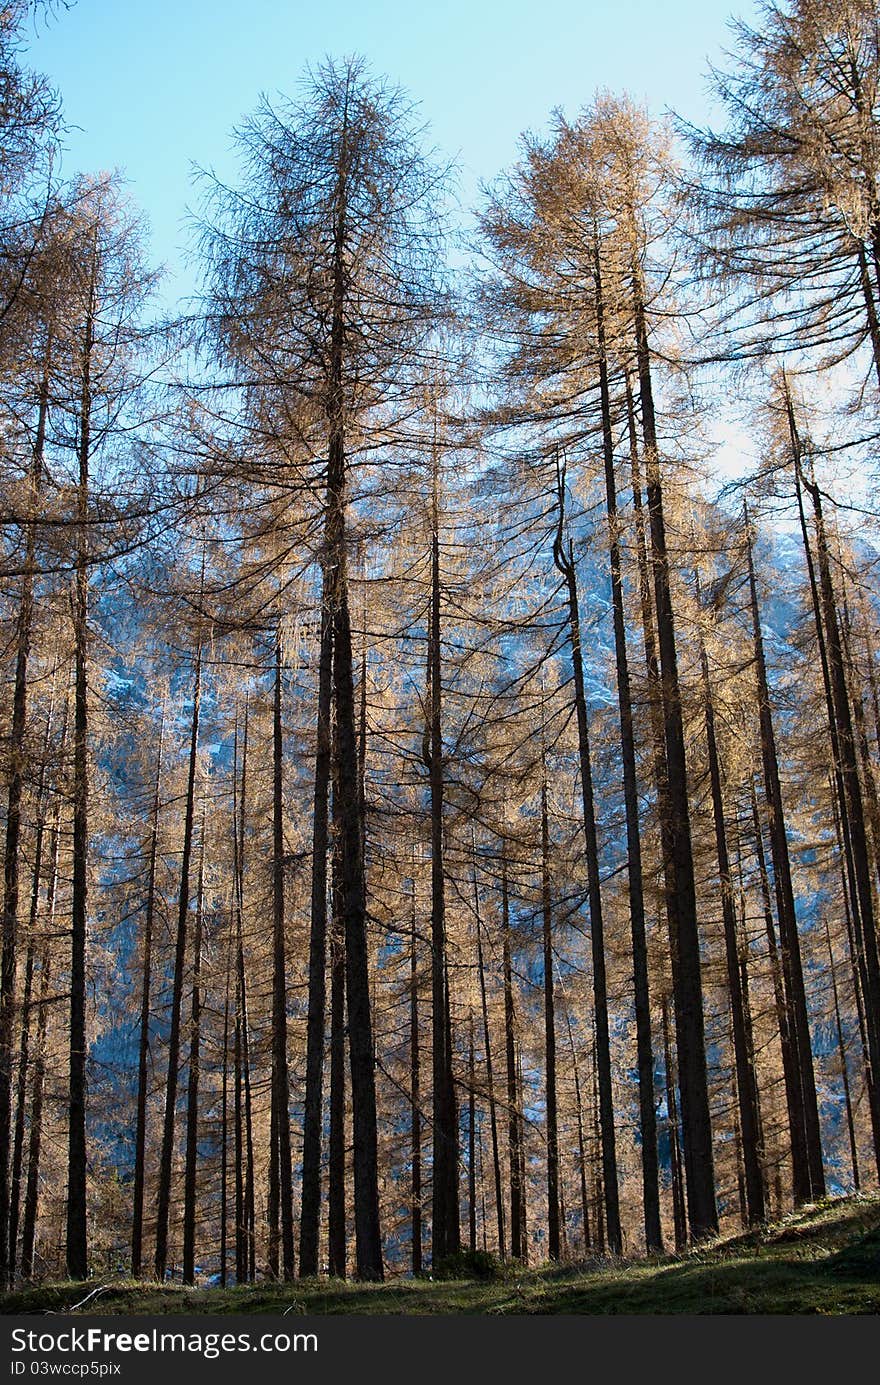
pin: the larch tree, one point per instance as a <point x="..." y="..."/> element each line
<point x="788" y="213"/>
<point x="321" y="286"/>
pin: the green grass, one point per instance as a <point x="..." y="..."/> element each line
<point x="824" y="1259"/>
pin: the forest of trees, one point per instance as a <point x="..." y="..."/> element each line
<point x="440" y="811"/>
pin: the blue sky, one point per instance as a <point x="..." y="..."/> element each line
<point x="153" y="86"/>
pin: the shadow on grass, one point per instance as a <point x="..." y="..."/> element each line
<point x="824" y="1259"/>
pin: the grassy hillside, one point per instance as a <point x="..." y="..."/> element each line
<point x="825" y="1259"/>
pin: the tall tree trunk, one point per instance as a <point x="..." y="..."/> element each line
<point x="565" y="563"/>
<point x="224" y="1130"/>
<point x="11" y="864"/>
<point x="585" y="1209"/>
<point x="310" y="1203"/>
<point x="336" y="1172"/>
<point x="484" y="1237"/>
<point x="807" y="1172"/>
<point x="658" y="745"/>
<point x="190" y="1176"/>
<point x="842" y="804"/>
<point x="163" y="1199"/>
<point x="790" y="1073"/>
<point x="240" y="1216"/>
<point x="857" y="978"/>
<point x="280" y="1078"/>
<point x="746" y="1086"/>
<point x="519" y="1107"/>
<point x="415" y="1084"/>
<point x="245" y="1219"/>
<point x="273" y="1191"/>
<point x="140" y="1137"/>
<point x="32" y="1185"/>
<point x="472" y="1143"/>
<point x="679" y="1223"/>
<point x="599" y="1196"/>
<point x="644" y="1041"/>
<point x="27" y="996"/>
<point x="77" y="1233"/>
<point x="368" y="1240"/>
<point x="445" y="1231"/>
<point x="687" y="980"/>
<point x="513" y="1118"/>
<point x="20" y="1104"/>
<point x="866" y="763"/>
<point x="868" y="780"/>
<point x="490" y="1079"/>
<point x="553" y="1245"/>
<point x="852" y="806"/>
<point x="844" y="1068"/>
<point x="32" y="1188"/>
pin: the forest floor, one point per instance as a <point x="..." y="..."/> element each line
<point x="823" y="1259"/>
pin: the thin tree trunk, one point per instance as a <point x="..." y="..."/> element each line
<point x="224" y="1131"/>
<point x="163" y="1200"/>
<point x="310" y="1203"/>
<point x="26" y="1003"/>
<point x="368" y="1240"/>
<point x="582" y="1150"/>
<point x="249" y="1171"/>
<point x="864" y="752"/>
<point x="553" y="1244"/>
<point x="857" y="974"/>
<point x="565" y="563"/>
<point x="241" y="1261"/>
<point x="644" y="1042"/>
<point x="336" y="1169"/>
<point x="20" y="1102"/>
<point x="140" y="1137"/>
<point x="513" y="1125"/>
<point x="599" y="1195"/>
<point x="687" y="980"/>
<point x="32" y="1189"/>
<point x="746" y="1087"/>
<point x="11" y="863"/>
<point x="738" y="1161"/>
<point x="852" y="801"/>
<point x="483" y="1215"/>
<point x="337" y="1208"/>
<point x="445" y="1231"/>
<point x="246" y="1250"/>
<point x="658" y="739"/>
<point x="791" y="1078"/>
<point x="273" y="1191"/>
<point x="841" y="800"/>
<point x="844" y="1068"/>
<point x="415" y="1083"/>
<point x="190" y="1175"/>
<point x="280" y="1078"/>
<point x="490" y="1081"/>
<point x="679" y="1223"/>
<point x="472" y="1136"/>
<point x="77" y="1233"/>
<point x="808" y="1175"/>
<point x="523" y="1173"/>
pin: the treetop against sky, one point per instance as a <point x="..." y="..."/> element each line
<point x="154" y="88"/>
